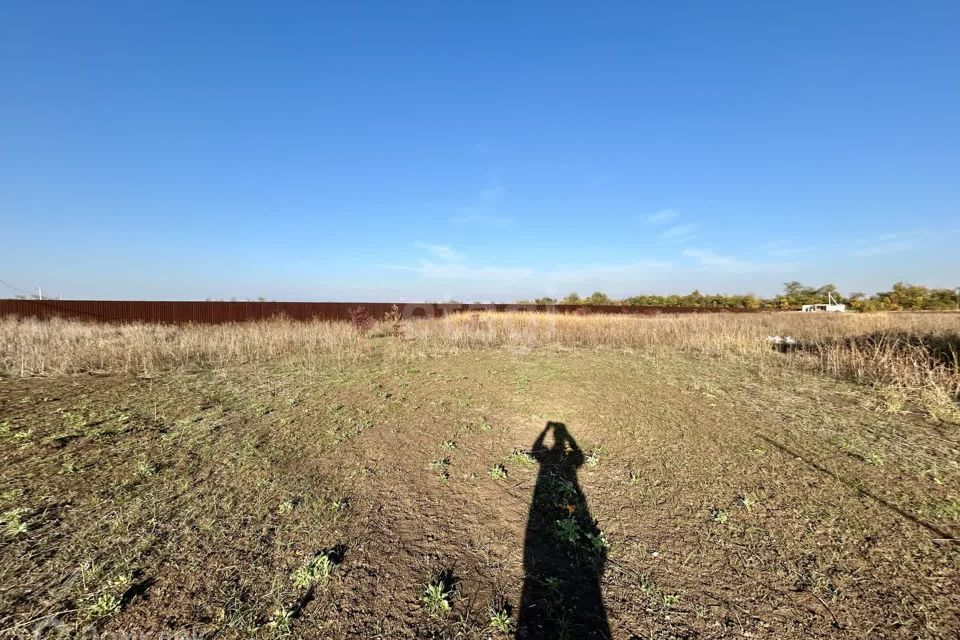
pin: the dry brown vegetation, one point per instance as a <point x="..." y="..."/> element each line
<point x="281" y="479"/>
<point x="911" y="357"/>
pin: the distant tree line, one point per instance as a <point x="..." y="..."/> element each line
<point x="795" y="294"/>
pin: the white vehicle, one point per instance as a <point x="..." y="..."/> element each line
<point x="832" y="306"/>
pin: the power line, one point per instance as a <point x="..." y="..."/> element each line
<point x="17" y="289"/>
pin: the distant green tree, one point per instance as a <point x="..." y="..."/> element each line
<point x="857" y="301"/>
<point x="827" y="290"/>
<point x="798" y="294"/>
<point x="794" y="289"/>
<point x="598" y="297"/>
<point x="909" y="296"/>
<point x="572" y="298"/>
<point x="943" y="299"/>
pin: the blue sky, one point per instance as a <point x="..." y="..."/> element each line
<point x="476" y="150"/>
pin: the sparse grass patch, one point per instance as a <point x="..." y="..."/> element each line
<point x="498" y="472"/>
<point x="567" y="531"/>
<point x="13" y="524"/>
<point x="280" y="620"/>
<point x="949" y="509"/>
<point x="442" y="468"/>
<point x="500" y="621"/>
<point x="592" y="460"/>
<point x="106" y="604"/>
<point x="719" y="516"/>
<point x="648" y="587"/>
<point x="598" y="542"/>
<point x="436" y="597"/>
<point x="521" y="458"/>
<point x="145" y="469"/>
<point x="314" y="572"/>
<point x="339" y="505"/>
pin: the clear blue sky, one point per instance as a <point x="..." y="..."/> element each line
<point x="476" y="150"/>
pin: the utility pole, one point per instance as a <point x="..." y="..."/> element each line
<point x="39" y="293"/>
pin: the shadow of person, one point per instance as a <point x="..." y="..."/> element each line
<point x="564" y="551"/>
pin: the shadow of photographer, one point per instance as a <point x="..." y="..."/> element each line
<point x="564" y="551"/>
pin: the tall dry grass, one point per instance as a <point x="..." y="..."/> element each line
<point x="741" y="333"/>
<point x="909" y="356"/>
<point x="32" y="347"/>
<point x="914" y="355"/>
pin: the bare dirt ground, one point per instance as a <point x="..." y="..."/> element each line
<point x="672" y="496"/>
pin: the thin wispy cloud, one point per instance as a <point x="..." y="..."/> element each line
<point x="882" y="249"/>
<point x="662" y="217"/>
<point x="896" y="235"/>
<point x="708" y="258"/>
<point x="457" y="271"/>
<point x="439" y="251"/>
<point x="699" y="268"/>
<point x="680" y="232"/>
<point x="890" y="243"/>
<point x="791" y="251"/>
<point x="598" y="274"/>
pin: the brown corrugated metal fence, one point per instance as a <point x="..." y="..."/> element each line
<point x="173" y="312"/>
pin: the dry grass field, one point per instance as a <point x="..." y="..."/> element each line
<point x="483" y="476"/>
